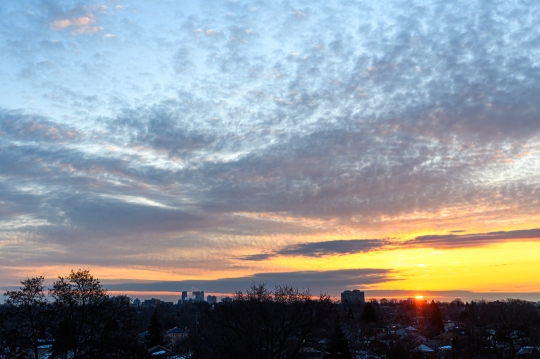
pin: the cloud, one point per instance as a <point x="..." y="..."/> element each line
<point x="477" y="239"/>
<point x="385" y="118"/>
<point x="82" y="21"/>
<point x="317" y="281"/>
<point x="20" y="127"/>
<point x="327" y="248"/>
<point x="80" y="25"/>
<point x="354" y="246"/>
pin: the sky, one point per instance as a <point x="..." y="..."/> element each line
<point x="391" y="146"/>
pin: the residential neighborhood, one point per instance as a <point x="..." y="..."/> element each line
<point x="79" y="320"/>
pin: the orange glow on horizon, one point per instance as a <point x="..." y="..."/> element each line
<point x="504" y="266"/>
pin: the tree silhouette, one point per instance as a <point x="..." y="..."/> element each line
<point x="262" y="324"/>
<point x="338" y="347"/>
<point x="87" y="321"/>
<point x="350" y="314"/>
<point x="369" y="314"/>
<point x="436" y="325"/>
<point x="155" y="331"/>
<point x="25" y="317"/>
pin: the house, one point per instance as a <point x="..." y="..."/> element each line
<point x="176" y="334"/>
<point x="160" y="352"/>
<point x="141" y="338"/>
<point x="427" y="352"/>
<point x="176" y="337"/>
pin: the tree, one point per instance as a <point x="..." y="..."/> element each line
<point x="436" y="325"/>
<point x="506" y="326"/>
<point x="155" y="331"/>
<point x="338" y="347"/>
<point x="369" y="314"/>
<point x="25" y="317"/>
<point x="262" y="324"/>
<point x="87" y="322"/>
<point x="350" y="314"/>
<point x="118" y="336"/>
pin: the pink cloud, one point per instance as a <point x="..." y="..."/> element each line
<point x="80" y="25"/>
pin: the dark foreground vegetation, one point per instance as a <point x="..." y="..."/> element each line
<point x="76" y="318"/>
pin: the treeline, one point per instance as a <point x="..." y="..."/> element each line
<point x="287" y="323"/>
<point x="77" y="319"/>
<point x="499" y="329"/>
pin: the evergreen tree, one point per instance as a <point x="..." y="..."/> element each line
<point x="435" y="319"/>
<point x="154" y="336"/>
<point x="338" y="347"/>
<point x="369" y="314"/>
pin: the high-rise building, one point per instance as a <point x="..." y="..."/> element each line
<point x="184" y="296"/>
<point x="352" y="296"/>
<point x="199" y="296"/>
<point x="211" y="299"/>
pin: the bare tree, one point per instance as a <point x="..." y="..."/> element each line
<point x="262" y="324"/>
<point x="24" y="317"/>
<point x="89" y="323"/>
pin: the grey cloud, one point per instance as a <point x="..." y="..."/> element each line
<point x="317" y="281"/>
<point x="334" y="172"/>
<point x="352" y="246"/>
<point x="163" y="129"/>
<point x="477" y="239"/>
<point x="101" y="214"/>
<point x="21" y="127"/>
<point x="258" y="257"/>
<point x="333" y="247"/>
<point x="327" y="248"/>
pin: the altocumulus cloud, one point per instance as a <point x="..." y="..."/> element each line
<point x="249" y="120"/>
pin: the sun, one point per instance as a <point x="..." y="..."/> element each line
<point x="419" y="297"/>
